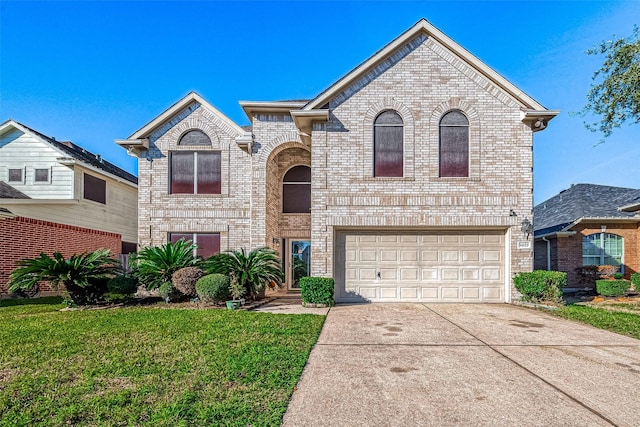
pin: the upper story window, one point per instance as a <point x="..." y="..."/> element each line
<point x="388" y="150"/>
<point x="195" y="137"/>
<point x="15" y="175"/>
<point x="195" y="172"/>
<point x="296" y="190"/>
<point x="454" y="145"/>
<point x="603" y="249"/>
<point x="41" y="175"/>
<point x="95" y="189"/>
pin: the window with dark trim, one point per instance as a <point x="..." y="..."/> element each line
<point x="195" y="172"/>
<point x="296" y="190"/>
<point x="15" y="175"/>
<point x="95" y="189"/>
<point x="41" y="175"/>
<point x="454" y="145"/>
<point x="388" y="150"/>
<point x="208" y="244"/>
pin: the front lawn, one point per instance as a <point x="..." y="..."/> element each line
<point x="149" y="366"/>
<point x="619" y="319"/>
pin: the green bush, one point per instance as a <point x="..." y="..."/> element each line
<point x="213" y="288"/>
<point x="618" y="276"/>
<point x="317" y="290"/>
<point x="612" y="288"/>
<point x="540" y="285"/>
<point x="169" y="293"/>
<point x="185" y="280"/>
<point x="635" y="279"/>
<point x="125" y="284"/>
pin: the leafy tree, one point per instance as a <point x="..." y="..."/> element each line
<point x="254" y="270"/>
<point x="615" y="91"/>
<point x="155" y="265"/>
<point x="83" y="276"/>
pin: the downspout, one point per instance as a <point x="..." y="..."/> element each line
<point x="548" y="253"/>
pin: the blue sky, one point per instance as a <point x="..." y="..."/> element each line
<point x="92" y="72"/>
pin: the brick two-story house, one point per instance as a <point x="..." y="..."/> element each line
<point x="406" y="180"/>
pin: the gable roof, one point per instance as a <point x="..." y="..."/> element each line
<point x="75" y="151"/>
<point x="582" y="201"/>
<point x="424" y="27"/>
<point x="191" y="97"/>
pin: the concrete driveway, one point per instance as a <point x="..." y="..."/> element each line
<point x="450" y="364"/>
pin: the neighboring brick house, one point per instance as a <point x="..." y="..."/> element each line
<point x="406" y="180"/>
<point x="56" y="196"/>
<point x="588" y="225"/>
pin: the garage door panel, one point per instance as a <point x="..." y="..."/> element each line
<point x="452" y="266"/>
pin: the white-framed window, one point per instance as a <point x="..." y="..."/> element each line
<point x="95" y="189"/>
<point x="296" y="190"/>
<point x="42" y="175"/>
<point x="208" y="244"/>
<point x="16" y="175"/>
<point x="603" y="249"/>
<point x="388" y="145"/>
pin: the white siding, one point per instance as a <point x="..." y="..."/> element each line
<point x="23" y="151"/>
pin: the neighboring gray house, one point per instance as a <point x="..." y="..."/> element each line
<point x="407" y="179"/>
<point x="585" y="225"/>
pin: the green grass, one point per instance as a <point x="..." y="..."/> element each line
<point x="620" y="322"/>
<point x="149" y="366"/>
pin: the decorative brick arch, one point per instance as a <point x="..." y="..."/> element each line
<point x="278" y="144"/>
<point x="408" y="125"/>
<point x="185" y="126"/>
<point x="474" y="136"/>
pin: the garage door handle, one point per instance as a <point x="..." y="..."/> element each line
<point x="378" y="274"/>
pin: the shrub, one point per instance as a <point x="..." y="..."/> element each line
<point x="213" y="288"/>
<point x="635" y="279"/>
<point x="606" y="271"/>
<point x="540" y="285"/>
<point x="83" y="277"/>
<point x="185" y="280"/>
<point x="155" y="265"/>
<point x="618" y="276"/>
<point x="253" y="270"/>
<point x="612" y="288"/>
<point x="125" y="284"/>
<point x="169" y="293"/>
<point x="317" y="290"/>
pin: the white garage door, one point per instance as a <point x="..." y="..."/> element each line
<point x="421" y="266"/>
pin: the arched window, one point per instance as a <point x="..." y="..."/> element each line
<point x="603" y="249"/>
<point x="195" y="137"/>
<point x="296" y="190"/>
<point x="454" y="145"/>
<point x="388" y="145"/>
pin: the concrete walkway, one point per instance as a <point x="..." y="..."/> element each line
<point x="469" y="365"/>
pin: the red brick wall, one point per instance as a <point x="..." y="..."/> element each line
<point x="27" y="238"/>
<point x="570" y="249"/>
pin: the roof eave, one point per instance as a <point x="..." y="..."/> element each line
<point x="630" y="208"/>
<point x="304" y="120"/>
<point x="252" y="107"/>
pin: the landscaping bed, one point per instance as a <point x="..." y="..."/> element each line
<point x="139" y="366"/>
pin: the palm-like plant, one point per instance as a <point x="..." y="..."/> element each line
<point x="78" y="275"/>
<point x="155" y="265"/>
<point x="254" y="270"/>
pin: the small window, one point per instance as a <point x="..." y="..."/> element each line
<point x="196" y="172"/>
<point x="95" y="189"/>
<point x="195" y="137"/>
<point x="454" y="145"/>
<point x="296" y="190"/>
<point x="603" y="249"/>
<point x="15" y="175"/>
<point x="42" y="175"/>
<point x="388" y="155"/>
<point x="208" y="244"/>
